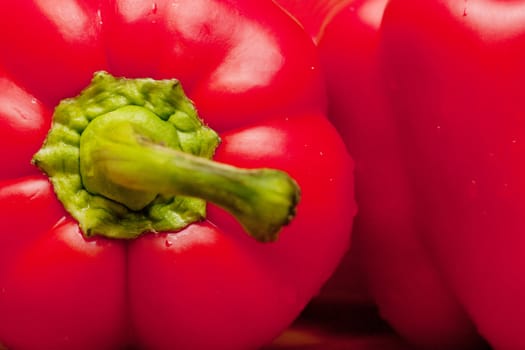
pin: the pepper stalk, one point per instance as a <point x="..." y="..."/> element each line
<point x="129" y="156"/>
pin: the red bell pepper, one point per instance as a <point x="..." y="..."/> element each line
<point x="109" y="251"/>
<point x="454" y="72"/>
<point x="399" y="274"/>
<point x="347" y="36"/>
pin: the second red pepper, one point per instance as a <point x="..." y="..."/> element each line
<point x="435" y="126"/>
<point x="455" y="71"/>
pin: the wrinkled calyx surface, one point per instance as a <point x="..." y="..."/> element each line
<point x="129" y="156"/>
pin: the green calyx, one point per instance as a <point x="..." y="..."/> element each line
<point x="129" y="156"/>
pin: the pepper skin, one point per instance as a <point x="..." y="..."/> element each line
<point x="254" y="77"/>
<point x="454" y="71"/>
<point x="314" y="15"/>
<point x="349" y="67"/>
<point x="347" y="36"/>
<point x="400" y="276"/>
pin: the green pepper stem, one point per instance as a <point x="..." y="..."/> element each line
<point x="262" y="200"/>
